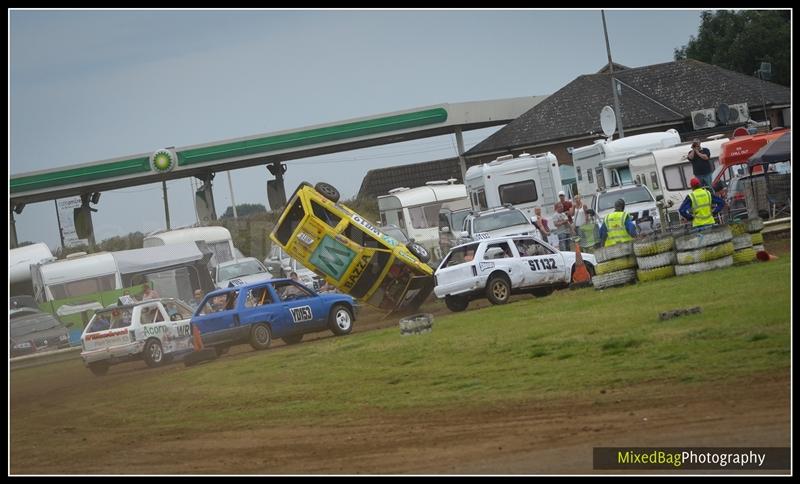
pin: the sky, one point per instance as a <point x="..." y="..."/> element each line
<point x="93" y="85"/>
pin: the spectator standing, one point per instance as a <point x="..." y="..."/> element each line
<point x="700" y="159"/>
<point x="569" y="209"/>
<point x="563" y="228"/>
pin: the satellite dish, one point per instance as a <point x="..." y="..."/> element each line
<point x="608" y="121"/>
<point x="724" y="113"/>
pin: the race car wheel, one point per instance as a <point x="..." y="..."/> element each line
<point x="456" y="303"/>
<point x="419" y="251"/>
<point x="260" y="337"/>
<point x="328" y="191"/>
<point x="498" y="290"/>
<point x="293" y="339"/>
<point x="341" y="320"/>
<point x="99" y="368"/>
<point x="153" y="353"/>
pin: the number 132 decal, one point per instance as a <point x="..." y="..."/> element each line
<point x="542" y="264"/>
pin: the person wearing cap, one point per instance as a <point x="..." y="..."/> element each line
<point x="617" y="227"/>
<point x="700" y="206"/>
<point x="702" y="166"/>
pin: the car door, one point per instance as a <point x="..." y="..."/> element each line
<point x="217" y="319"/>
<point x="302" y="310"/>
<point x="541" y="264"/>
<point x="178" y="336"/>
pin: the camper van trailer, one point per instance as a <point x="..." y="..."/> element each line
<point x="416" y="210"/>
<point x="668" y="171"/>
<point x="604" y="164"/>
<point x="218" y="240"/>
<point x="525" y="182"/>
<point x="20" y="261"/>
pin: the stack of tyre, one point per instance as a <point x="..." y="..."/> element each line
<point x="616" y="265"/>
<point x="655" y="258"/>
<point x="747" y="240"/>
<point x="705" y="250"/>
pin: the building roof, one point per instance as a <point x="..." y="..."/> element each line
<point x="659" y="94"/>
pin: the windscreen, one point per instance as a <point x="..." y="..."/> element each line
<point x="238" y="270"/>
<point x="630" y="195"/>
<point x="499" y="220"/>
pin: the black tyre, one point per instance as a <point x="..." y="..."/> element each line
<point x="328" y="191"/>
<point x="542" y="291"/>
<point x="99" y="368"/>
<point x="456" y="303"/>
<point x="419" y="251"/>
<point x="340" y="320"/>
<point x="293" y="339"/>
<point x="153" y="353"/>
<point x="498" y="290"/>
<point x="260" y="337"/>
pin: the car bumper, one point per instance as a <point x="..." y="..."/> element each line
<point x="113" y="353"/>
<point x="460" y="287"/>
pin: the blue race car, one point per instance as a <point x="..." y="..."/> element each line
<point x="279" y="308"/>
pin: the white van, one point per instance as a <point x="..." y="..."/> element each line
<point x="416" y="210"/>
<point x="19" y="266"/>
<point x="218" y="240"/>
<point x="668" y="171"/>
<point x="524" y="182"/>
<point x="605" y="164"/>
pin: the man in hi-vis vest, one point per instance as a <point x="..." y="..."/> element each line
<point x="617" y="227"/>
<point x="701" y="205"/>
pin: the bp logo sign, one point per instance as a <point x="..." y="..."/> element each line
<point x="163" y="161"/>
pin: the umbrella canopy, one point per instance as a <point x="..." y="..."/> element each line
<point x="775" y="152"/>
<point x="739" y="150"/>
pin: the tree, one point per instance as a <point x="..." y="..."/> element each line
<point x="741" y="41"/>
<point x="244" y="210"/>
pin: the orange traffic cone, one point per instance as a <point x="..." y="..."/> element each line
<point x="581" y="274"/>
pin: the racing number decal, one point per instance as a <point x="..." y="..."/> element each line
<point x="301" y="314"/>
<point x="332" y="257"/>
<point x="542" y="264"/>
<point x="184" y="330"/>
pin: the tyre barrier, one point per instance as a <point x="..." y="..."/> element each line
<point x="612" y="252"/>
<point x="705" y="254"/>
<point x="663" y="272"/>
<point x="615" y="265"/>
<point x="757" y="238"/>
<point x="744" y="256"/>
<point x="754" y="225"/>
<point x="654" y="261"/>
<point x="653" y="247"/>
<point x="611" y="279"/>
<point x="759" y="248"/>
<point x="682" y="270"/>
<point x="416" y="324"/>
<point x="708" y="237"/>
<point x="744" y="241"/>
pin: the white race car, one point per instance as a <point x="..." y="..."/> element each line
<point x="153" y="330"/>
<point x="496" y="268"/>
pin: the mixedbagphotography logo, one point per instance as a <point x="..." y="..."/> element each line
<point x="719" y="458"/>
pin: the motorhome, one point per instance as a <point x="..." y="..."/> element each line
<point x="668" y="171"/>
<point x="524" y="182"/>
<point x="416" y="210"/>
<point x="19" y="266"/>
<point x="604" y="164"/>
<point x="218" y="240"/>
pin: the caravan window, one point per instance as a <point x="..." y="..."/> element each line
<point x="654" y="180"/>
<point x="221" y="250"/>
<point x="672" y="177"/>
<point x="589" y="175"/>
<point x="479" y="200"/>
<point x="578" y="173"/>
<point x="519" y="192"/>
<point x="424" y="217"/>
<point x="83" y="287"/>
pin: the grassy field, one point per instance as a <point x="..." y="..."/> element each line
<point x="568" y="344"/>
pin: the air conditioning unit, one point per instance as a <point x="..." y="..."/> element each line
<point x="704" y="118"/>
<point x="738" y="113"/>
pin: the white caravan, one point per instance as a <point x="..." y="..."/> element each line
<point x="218" y="240"/>
<point x="523" y="182"/>
<point x="604" y="164"/>
<point x="19" y="266"/>
<point x="668" y="171"/>
<point x="416" y="210"/>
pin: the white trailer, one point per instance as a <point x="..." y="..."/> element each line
<point x="218" y="240"/>
<point x="523" y="182"/>
<point x="416" y="210"/>
<point x="20" y="261"/>
<point x="668" y="171"/>
<point x="605" y="163"/>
